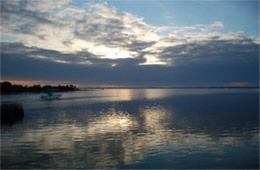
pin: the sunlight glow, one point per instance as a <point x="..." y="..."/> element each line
<point x="114" y="122"/>
<point x="152" y="60"/>
<point x="101" y="51"/>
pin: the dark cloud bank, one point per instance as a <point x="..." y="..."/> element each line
<point x="229" y="62"/>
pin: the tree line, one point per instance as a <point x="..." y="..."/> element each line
<point x="9" y="88"/>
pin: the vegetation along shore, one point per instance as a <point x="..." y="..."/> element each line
<point x="8" y="88"/>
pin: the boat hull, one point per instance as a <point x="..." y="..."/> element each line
<point x="51" y="97"/>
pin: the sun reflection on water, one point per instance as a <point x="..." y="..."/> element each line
<point x="112" y="122"/>
<point x="116" y="135"/>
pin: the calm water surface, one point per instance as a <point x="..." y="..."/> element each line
<point x="144" y="128"/>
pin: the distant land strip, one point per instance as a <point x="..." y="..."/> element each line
<point x="175" y="87"/>
<point x="8" y="88"/>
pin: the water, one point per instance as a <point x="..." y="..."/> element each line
<point x="141" y="128"/>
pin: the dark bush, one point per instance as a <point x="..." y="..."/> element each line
<point x="11" y="113"/>
<point x="8" y="88"/>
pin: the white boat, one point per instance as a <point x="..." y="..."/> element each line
<point x="50" y="96"/>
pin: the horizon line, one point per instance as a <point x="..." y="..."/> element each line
<point x="106" y="86"/>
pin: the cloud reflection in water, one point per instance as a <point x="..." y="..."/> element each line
<point x="116" y="134"/>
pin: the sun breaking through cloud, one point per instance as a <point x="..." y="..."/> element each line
<point x="96" y="37"/>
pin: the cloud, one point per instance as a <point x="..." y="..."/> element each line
<point x="20" y="64"/>
<point x="217" y="24"/>
<point x="16" y="18"/>
<point x="97" y="27"/>
<point x="18" y="50"/>
<point x="97" y="41"/>
<point x="215" y="50"/>
<point x="45" y="6"/>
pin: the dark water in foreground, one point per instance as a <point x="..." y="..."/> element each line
<point x="147" y="128"/>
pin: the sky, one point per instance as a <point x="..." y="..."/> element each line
<point x="130" y="43"/>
